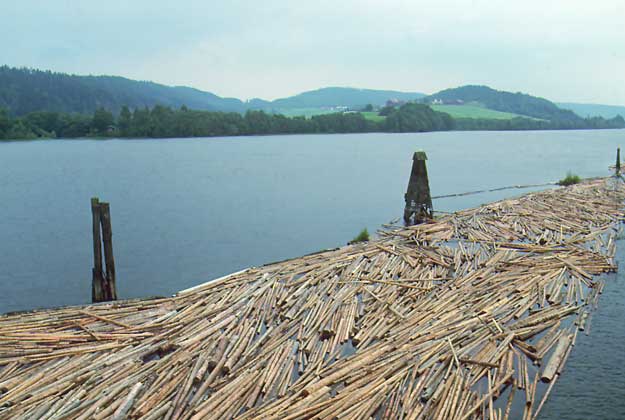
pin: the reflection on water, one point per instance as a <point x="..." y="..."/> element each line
<point x="186" y="211"/>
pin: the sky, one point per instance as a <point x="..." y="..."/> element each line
<point x="563" y="50"/>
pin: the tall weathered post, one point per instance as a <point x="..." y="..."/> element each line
<point x="103" y="286"/>
<point x="618" y="161"/>
<point x="418" y="200"/>
<point x="98" y="276"/>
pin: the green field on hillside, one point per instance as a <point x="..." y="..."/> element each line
<point x="473" y="111"/>
<point x="456" y="111"/>
<point x="303" y="112"/>
<point x="309" y="112"/>
<point x="373" y="116"/>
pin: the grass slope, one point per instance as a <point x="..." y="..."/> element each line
<point x="459" y="111"/>
<point x="473" y="111"/>
<point x="456" y="111"/>
<point x="373" y="116"/>
<point x="301" y="112"/>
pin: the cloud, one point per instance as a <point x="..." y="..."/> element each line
<point x="564" y="50"/>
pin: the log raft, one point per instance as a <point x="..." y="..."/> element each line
<point x="436" y="321"/>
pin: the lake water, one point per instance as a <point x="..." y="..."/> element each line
<point x="185" y="211"/>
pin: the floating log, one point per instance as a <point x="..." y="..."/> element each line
<point x="411" y="325"/>
<point x="555" y="360"/>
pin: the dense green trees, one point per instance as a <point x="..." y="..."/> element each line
<point x="163" y="122"/>
<point x="103" y="121"/>
<point x="45" y="125"/>
<point x="415" y="118"/>
<point x="5" y="123"/>
<point x="471" y="124"/>
<point x="124" y="122"/>
<point x="351" y="122"/>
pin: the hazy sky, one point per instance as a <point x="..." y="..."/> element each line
<point x="564" y="50"/>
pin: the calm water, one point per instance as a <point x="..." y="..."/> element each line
<point x="186" y="211"/>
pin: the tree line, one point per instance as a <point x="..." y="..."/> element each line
<point x="165" y="122"/>
<point x="593" y="123"/>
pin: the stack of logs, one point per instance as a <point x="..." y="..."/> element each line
<point x="453" y="319"/>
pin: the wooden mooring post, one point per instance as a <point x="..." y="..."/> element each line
<point x="103" y="285"/>
<point x="418" y="199"/>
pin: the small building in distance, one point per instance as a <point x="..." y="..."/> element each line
<point x="437" y="101"/>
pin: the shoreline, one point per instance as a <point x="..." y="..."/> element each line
<point x="48" y="139"/>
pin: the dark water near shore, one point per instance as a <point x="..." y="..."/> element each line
<point x="187" y="211"/>
<point x="592" y="385"/>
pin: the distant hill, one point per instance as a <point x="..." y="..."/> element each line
<point x="26" y="90"/>
<point x="23" y="91"/>
<point x="594" y="110"/>
<point x="342" y="96"/>
<point x="515" y="103"/>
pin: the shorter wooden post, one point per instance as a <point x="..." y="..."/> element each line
<point x="107" y="239"/>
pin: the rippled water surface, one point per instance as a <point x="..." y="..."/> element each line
<point x="592" y="385"/>
<point x="185" y="211"/>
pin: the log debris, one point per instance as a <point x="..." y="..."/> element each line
<point x="433" y="321"/>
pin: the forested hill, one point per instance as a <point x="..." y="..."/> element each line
<point x="594" y="110"/>
<point x="26" y="90"/>
<point x="343" y="96"/>
<point x="516" y="103"/>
